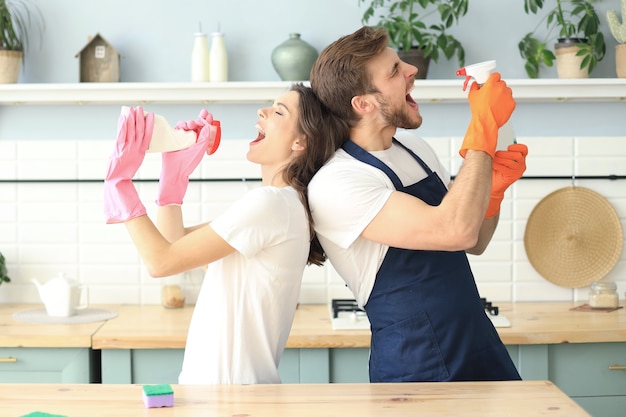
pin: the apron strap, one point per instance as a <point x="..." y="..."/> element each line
<point x="362" y="155"/>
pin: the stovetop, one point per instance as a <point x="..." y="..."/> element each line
<point x="345" y="314"/>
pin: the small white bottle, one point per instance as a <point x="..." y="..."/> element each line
<point x="218" y="62"/>
<point x="200" y="58"/>
<point x="165" y="138"/>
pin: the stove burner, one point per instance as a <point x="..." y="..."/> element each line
<point x="344" y="304"/>
<point x="347" y="315"/>
<point x="350" y="305"/>
<point x="487" y="305"/>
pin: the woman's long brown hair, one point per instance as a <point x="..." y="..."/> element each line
<point x="324" y="134"/>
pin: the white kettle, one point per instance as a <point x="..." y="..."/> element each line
<point x="62" y="296"/>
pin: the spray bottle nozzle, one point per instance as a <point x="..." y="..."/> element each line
<point x="480" y="72"/>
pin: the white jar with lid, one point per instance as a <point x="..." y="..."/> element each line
<point x="173" y="291"/>
<point x="603" y="295"/>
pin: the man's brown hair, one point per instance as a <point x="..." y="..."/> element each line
<point x="340" y="72"/>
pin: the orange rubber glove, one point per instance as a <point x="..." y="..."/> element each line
<point x="508" y="167"/>
<point x="492" y="105"/>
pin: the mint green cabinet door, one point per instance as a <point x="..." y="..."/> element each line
<point x="46" y="365"/>
<point x="584" y="369"/>
<point x="322" y="366"/>
<point x="349" y="365"/>
<point x="141" y="366"/>
<point x="593" y="374"/>
<point x="162" y="366"/>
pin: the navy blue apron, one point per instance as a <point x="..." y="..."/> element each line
<point x="427" y="320"/>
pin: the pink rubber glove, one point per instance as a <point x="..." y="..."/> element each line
<point x="121" y="201"/>
<point x="508" y="167"/>
<point x="178" y="165"/>
<point x="203" y="119"/>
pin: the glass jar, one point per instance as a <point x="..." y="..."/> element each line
<point x="172" y="291"/>
<point x="603" y="295"/>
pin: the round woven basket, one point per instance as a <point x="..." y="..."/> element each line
<point x="573" y="237"/>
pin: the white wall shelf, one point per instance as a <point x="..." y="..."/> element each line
<point x="432" y="91"/>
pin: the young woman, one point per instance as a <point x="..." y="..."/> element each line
<point x="256" y="251"/>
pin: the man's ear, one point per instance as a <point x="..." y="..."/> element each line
<point x="362" y="104"/>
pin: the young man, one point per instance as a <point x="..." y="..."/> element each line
<point x="391" y="227"/>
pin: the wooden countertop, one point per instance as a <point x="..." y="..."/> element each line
<point x="19" y="334"/>
<point x="154" y="327"/>
<point x="487" y="399"/>
<point x="532" y="323"/>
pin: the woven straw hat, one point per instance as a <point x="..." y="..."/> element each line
<point x="573" y="237"/>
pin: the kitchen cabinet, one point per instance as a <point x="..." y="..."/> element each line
<point x="593" y="374"/>
<point x="46" y="365"/>
<point x="38" y="353"/>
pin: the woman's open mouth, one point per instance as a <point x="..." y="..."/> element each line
<point x="260" y="136"/>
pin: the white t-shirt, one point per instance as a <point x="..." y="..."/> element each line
<point x="346" y="194"/>
<point x="247" y="302"/>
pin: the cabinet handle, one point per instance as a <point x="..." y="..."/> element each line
<point x="8" y="360"/>
<point x="617" y="368"/>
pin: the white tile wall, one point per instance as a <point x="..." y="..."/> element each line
<point x="51" y="227"/>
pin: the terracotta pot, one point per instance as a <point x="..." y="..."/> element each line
<point x="10" y="66"/>
<point x="620" y="60"/>
<point x="415" y="56"/>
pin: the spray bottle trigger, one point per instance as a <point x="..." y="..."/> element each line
<point x="467" y="80"/>
<point x="461" y="71"/>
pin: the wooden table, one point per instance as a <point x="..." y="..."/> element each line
<point x="484" y="399"/>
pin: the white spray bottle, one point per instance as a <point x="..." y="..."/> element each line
<point x="166" y="139"/>
<point x="481" y="72"/>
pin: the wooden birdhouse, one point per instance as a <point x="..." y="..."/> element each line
<point x="99" y="61"/>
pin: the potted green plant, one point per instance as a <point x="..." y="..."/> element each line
<point x="4" y="277"/>
<point x="575" y="25"/>
<point x="418" y="28"/>
<point x="618" y="30"/>
<point x="16" y="19"/>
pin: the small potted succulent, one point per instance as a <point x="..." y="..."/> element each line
<point x="578" y="38"/>
<point x="3" y="270"/>
<point x="618" y="30"/>
<point x="417" y="28"/>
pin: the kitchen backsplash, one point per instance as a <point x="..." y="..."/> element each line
<point x="51" y="223"/>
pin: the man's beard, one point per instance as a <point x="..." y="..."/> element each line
<point x="397" y="117"/>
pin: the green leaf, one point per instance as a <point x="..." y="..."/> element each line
<point x="405" y="20"/>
